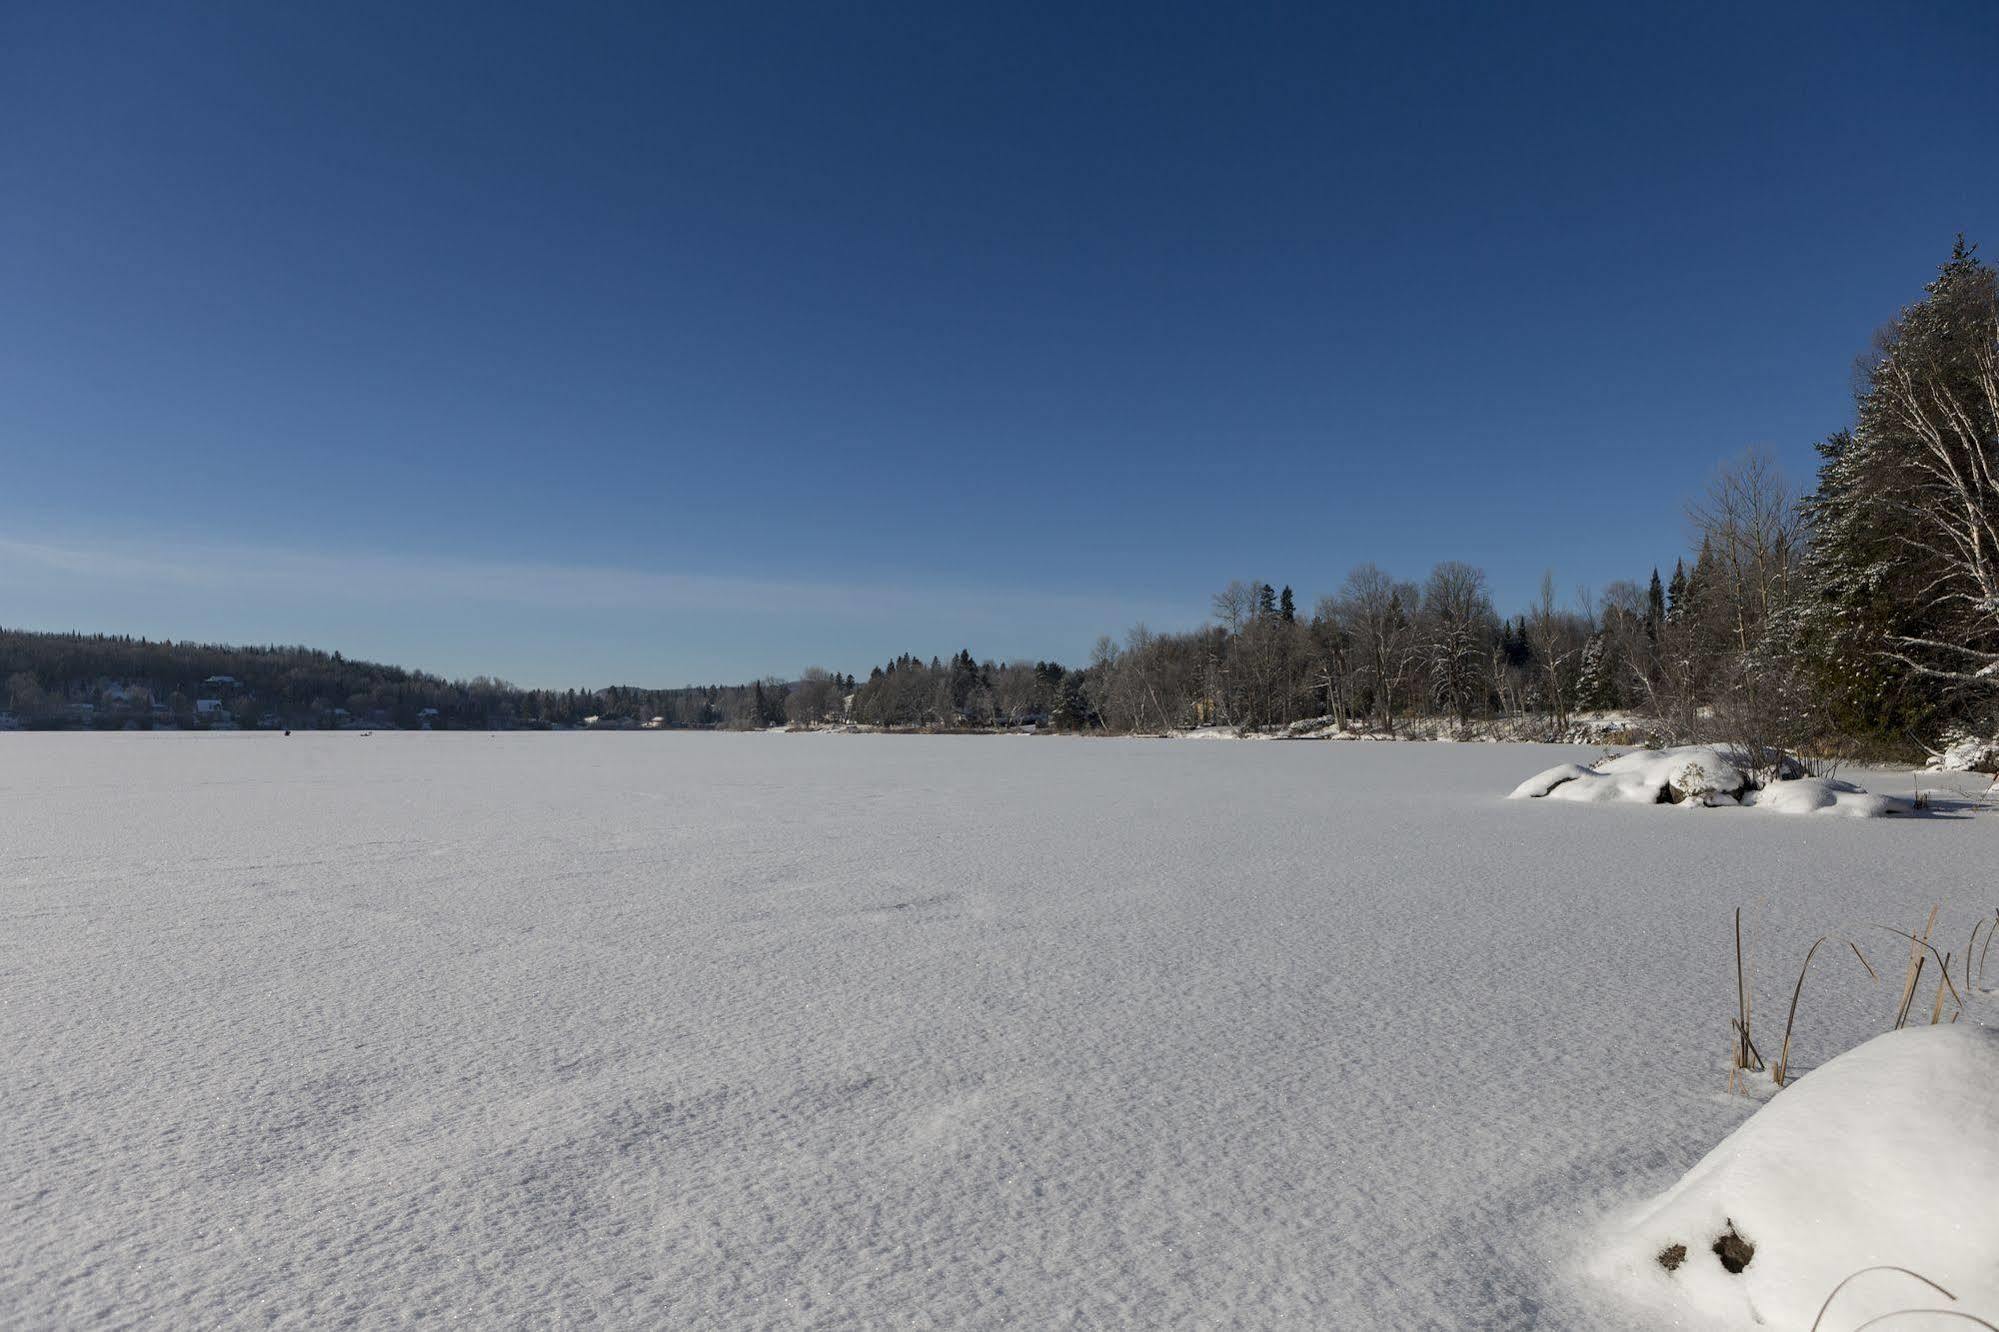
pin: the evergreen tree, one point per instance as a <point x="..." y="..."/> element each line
<point x="1701" y="575"/>
<point x="1072" y="709"/>
<point x="1655" y="608"/>
<point x="1596" y="688"/>
<point x="1287" y="609"/>
<point x="1847" y="605"/>
<point x="1266" y="600"/>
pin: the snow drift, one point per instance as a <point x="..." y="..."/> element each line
<point x="1701" y="776"/>
<point x="1887" y="1155"/>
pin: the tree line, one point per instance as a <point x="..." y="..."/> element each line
<point x="1862" y="615"/>
<point x="113" y="681"/>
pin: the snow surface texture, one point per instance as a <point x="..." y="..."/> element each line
<point x="1697" y="777"/>
<point x="1888" y="1155"/>
<point x="713" y="1031"/>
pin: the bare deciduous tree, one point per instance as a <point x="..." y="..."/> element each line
<point x="1235" y="605"/>
<point x="1557" y="639"/>
<point x="1375" y="611"/>
<point x="1456" y="629"/>
<point x="1749" y="530"/>
<point x="814" y="699"/>
<point x="1953" y="509"/>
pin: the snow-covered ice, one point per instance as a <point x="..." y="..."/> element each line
<point x="680" y="1030"/>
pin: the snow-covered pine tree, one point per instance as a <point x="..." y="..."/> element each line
<point x="1595" y="687"/>
<point x="1848" y="603"/>
<point x="1899" y="616"/>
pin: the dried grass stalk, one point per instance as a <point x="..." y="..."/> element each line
<point x="1885" y="1267"/>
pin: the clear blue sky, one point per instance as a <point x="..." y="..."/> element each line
<point x="654" y="344"/>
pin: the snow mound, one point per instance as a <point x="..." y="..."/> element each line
<point x="1889" y="1154"/>
<point x="1543" y="782"/>
<point x="1700" y="776"/>
<point x="1815" y="795"/>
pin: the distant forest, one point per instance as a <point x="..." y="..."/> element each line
<point x="113" y="682"/>
<point x="1861" y="616"/>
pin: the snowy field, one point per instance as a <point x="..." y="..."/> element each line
<point x="692" y="1031"/>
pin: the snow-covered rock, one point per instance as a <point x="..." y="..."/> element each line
<point x="1705" y="776"/>
<point x="1647" y="777"/>
<point x="1700" y="776"/>
<point x="1888" y="1154"/>
<point x="1968" y="753"/>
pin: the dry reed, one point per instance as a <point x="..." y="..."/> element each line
<point x="1745" y="1048"/>
<point x="1884" y="1267"/>
<point x="1745" y="1057"/>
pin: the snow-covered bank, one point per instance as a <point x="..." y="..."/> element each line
<point x="1967" y="753"/>
<point x="718" y="1031"/>
<point x="1587" y="728"/>
<point x="1703" y="776"/>
<point x="1888" y="1155"/>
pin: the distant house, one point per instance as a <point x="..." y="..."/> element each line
<point x="426" y="712"/>
<point x="220" y="682"/>
<point x="210" y="712"/>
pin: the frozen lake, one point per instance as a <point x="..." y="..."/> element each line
<point x="700" y="1031"/>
